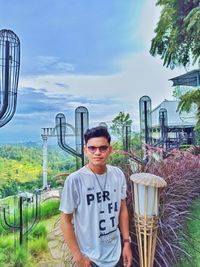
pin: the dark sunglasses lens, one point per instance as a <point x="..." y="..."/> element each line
<point x="103" y="148"/>
<point x="93" y="149"/>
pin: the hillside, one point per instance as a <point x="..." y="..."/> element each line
<point x="21" y="165"/>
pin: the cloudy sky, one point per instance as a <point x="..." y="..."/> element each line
<point x="93" y="53"/>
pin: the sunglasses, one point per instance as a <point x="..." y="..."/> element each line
<point x="93" y="149"/>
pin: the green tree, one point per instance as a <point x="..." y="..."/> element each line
<point x="185" y="104"/>
<point x="177" y="38"/>
<point x="136" y="141"/>
<point x="119" y="123"/>
<point x="22" y="166"/>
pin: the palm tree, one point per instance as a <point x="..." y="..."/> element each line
<point x="186" y="102"/>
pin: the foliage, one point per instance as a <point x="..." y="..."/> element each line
<point x="9" y="188"/>
<point x="47" y="209"/>
<point x="118" y="124"/>
<point x="136" y="141"/>
<point x="116" y="158"/>
<point x="21" y="168"/>
<point x="20" y="258"/>
<point x="189" y="98"/>
<point x="6" y="250"/>
<point x="117" y="145"/>
<point x="177" y="33"/>
<point x="195" y="150"/>
<point x="192" y="244"/>
<point x="10" y="257"/>
<point x="38" y="231"/>
<point x="37" y="249"/>
<point x="134" y="158"/>
<point x="20" y="163"/>
<point x="180" y="169"/>
<point x="50" y="208"/>
<point x="185" y="104"/>
<point x="197" y="133"/>
<point x="13" y="255"/>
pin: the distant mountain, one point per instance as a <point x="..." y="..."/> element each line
<point x="26" y="144"/>
<point x="23" y="162"/>
<point x="36" y="144"/>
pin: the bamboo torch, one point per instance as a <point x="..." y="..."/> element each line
<point x="145" y="189"/>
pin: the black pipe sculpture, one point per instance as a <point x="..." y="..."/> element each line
<point x="81" y="125"/>
<point x="9" y="74"/>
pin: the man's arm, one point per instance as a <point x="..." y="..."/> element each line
<point x="124" y="228"/>
<point x="70" y="238"/>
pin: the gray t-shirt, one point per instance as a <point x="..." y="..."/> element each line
<point x="96" y="212"/>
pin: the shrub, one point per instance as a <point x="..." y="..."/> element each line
<point x="116" y="158"/>
<point x="10" y="255"/>
<point x="2" y="260"/>
<point x="49" y="208"/>
<point x="38" y="231"/>
<point x="181" y="170"/>
<point x="2" y="230"/>
<point x="192" y="244"/>
<point x="195" y="150"/>
<point x="20" y="258"/>
<point x="6" y="250"/>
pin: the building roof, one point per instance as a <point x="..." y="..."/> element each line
<point x="191" y="78"/>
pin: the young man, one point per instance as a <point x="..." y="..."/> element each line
<point x="93" y="205"/>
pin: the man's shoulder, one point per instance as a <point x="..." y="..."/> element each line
<point x="115" y="169"/>
<point x="76" y="174"/>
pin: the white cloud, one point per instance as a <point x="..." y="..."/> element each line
<point x="141" y="75"/>
<point x="53" y="63"/>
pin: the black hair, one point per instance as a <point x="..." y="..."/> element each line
<point x="99" y="131"/>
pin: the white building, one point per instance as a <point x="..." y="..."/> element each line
<point x="177" y="126"/>
<point x="168" y="127"/>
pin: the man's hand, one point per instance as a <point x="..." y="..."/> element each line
<point x="84" y="261"/>
<point x="127" y="255"/>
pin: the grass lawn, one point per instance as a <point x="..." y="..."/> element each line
<point x="45" y="255"/>
<point x="41" y="255"/>
<point x="193" y="245"/>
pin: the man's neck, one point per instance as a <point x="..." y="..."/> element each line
<point x="97" y="169"/>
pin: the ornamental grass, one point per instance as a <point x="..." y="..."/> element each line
<point x="181" y="171"/>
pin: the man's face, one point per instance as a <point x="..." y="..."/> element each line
<point x="97" y="150"/>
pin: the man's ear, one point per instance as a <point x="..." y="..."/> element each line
<point x="110" y="149"/>
<point x="85" y="151"/>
